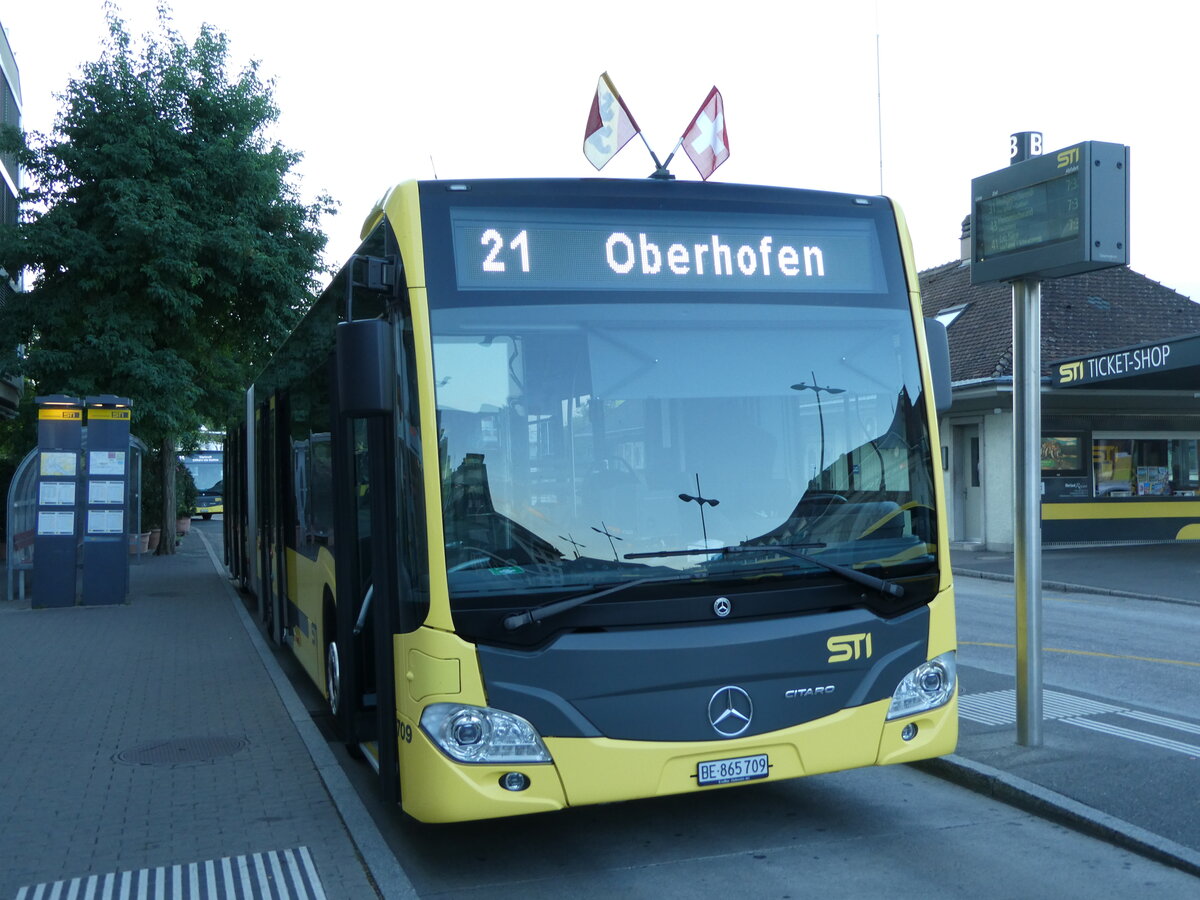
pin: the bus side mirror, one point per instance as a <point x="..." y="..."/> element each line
<point x="939" y="363"/>
<point x="365" y="372"/>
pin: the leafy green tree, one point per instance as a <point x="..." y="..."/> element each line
<point x="17" y="437"/>
<point x="167" y="249"/>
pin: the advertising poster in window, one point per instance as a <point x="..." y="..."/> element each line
<point x="1062" y="455"/>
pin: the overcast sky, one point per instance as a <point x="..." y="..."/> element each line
<point x="374" y="92"/>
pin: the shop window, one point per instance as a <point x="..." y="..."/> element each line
<point x="1184" y="462"/>
<point x="1150" y="466"/>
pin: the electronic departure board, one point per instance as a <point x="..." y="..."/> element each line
<point x="1029" y="217"/>
<point x="1060" y="214"/>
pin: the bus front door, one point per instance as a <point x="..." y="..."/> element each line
<point x="365" y="625"/>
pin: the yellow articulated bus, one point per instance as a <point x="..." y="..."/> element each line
<point x="576" y="491"/>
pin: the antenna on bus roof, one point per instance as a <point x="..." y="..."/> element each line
<point x="432" y="166"/>
<point x="878" y="99"/>
<point x="660" y="169"/>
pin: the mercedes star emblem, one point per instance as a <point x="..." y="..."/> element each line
<point x="730" y="711"/>
<point x="722" y="607"/>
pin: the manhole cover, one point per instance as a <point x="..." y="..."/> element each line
<point x="176" y="751"/>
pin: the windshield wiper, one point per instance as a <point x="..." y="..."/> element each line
<point x="548" y="610"/>
<point x="887" y="588"/>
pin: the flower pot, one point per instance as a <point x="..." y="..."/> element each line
<point x="183" y="524"/>
<point x="155" y="534"/>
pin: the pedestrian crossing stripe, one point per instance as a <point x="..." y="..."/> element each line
<point x="1000" y="708"/>
<point x="274" y="875"/>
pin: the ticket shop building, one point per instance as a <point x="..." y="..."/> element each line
<point x="1120" y="409"/>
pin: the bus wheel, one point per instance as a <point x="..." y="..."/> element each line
<point x="333" y="678"/>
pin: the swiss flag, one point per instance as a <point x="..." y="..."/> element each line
<point x="705" y="140"/>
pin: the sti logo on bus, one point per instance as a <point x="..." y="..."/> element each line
<point x="843" y="647"/>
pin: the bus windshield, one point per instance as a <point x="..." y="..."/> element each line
<point x="585" y="445"/>
<point x="206" y="470"/>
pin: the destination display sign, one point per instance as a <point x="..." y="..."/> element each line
<point x="653" y="250"/>
<point x="1060" y="214"/>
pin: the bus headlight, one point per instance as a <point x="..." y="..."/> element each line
<point x="478" y="734"/>
<point x="928" y="686"/>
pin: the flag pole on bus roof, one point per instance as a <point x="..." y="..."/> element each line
<point x="611" y="125"/>
<point x="660" y="169"/>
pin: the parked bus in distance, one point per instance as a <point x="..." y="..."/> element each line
<point x="207" y="474"/>
<point x="575" y="491"/>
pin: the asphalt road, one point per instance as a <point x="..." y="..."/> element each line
<point x="873" y="832"/>
<point x="1121" y="648"/>
<point x="894" y="831"/>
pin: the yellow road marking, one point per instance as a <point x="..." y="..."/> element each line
<point x="1152" y="659"/>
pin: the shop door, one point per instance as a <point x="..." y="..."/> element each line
<point x="968" y="484"/>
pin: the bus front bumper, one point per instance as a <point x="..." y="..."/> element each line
<point x="600" y="770"/>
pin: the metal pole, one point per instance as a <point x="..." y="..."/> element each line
<point x="1027" y="524"/>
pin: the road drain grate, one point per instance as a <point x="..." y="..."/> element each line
<point x="177" y="751"/>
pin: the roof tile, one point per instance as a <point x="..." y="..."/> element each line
<point x="1081" y="315"/>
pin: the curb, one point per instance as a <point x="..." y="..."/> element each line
<point x="1056" y="807"/>
<point x="1068" y="587"/>
<point x="385" y="871"/>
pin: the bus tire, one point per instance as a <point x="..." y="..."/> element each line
<point x="333" y="678"/>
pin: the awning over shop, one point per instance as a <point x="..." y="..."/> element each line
<point x="1171" y="364"/>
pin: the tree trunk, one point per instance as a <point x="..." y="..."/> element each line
<point x="170" y="459"/>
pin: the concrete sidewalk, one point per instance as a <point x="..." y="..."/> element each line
<point x="145" y="746"/>
<point x="1155" y="571"/>
<point x="1109" y="770"/>
<point x="1094" y="770"/>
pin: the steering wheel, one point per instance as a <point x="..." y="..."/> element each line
<point x="488" y="556"/>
